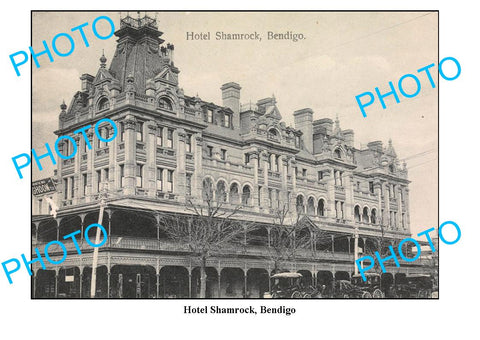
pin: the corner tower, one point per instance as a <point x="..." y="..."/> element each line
<point x="137" y="53"/>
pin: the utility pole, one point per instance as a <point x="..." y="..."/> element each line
<point x="102" y="196"/>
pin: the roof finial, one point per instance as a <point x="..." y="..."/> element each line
<point x="63" y="106"/>
<point x="103" y="60"/>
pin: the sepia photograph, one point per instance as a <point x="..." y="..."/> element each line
<point x="235" y="155"/>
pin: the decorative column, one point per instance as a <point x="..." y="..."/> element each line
<point x="81" y="281"/>
<point x="190" y="282"/>
<point x="245" y="288"/>
<point x="109" y="231"/>
<point x="82" y="227"/>
<point x="58" y="220"/>
<point x="283" y="174"/>
<point x="112" y="157"/>
<point x="197" y="184"/>
<point x="90" y="166"/>
<point x="130" y="164"/>
<point x="108" y="281"/>
<point x="355" y="247"/>
<point x="377" y="187"/>
<point x="60" y="188"/>
<point x="77" y="176"/>
<point x="254" y="157"/>
<point x="157" y="273"/>
<point x="219" y="281"/>
<point x="386" y="196"/>
<point x="264" y="157"/>
<point x="180" y="173"/>
<point x="330" y="204"/>
<point x="56" y="281"/>
<point x="348" y="184"/>
<point x="400" y="208"/>
<point x="407" y="209"/>
<point x="151" y="152"/>
<point x="34" y="288"/>
<point x="293" y="164"/>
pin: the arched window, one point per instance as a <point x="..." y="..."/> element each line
<point x="373" y="217"/>
<point x="365" y="217"/>
<point x="300" y="205"/>
<point x="272" y="134"/>
<point x="311" y="206"/>
<point x="246" y="195"/>
<point x="338" y="153"/>
<point x="321" y="207"/>
<point x="391" y="168"/>
<point x="234" y="194"/>
<point x="221" y="192"/>
<point x="165" y="103"/>
<point x="357" y="213"/>
<point x="207" y="192"/>
<point x="103" y="104"/>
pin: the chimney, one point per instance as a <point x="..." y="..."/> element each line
<point x="348" y="134"/>
<point x="87" y="80"/>
<point x="171" y="48"/>
<point x="303" y="122"/>
<point x="375" y="146"/>
<point x="231" y="99"/>
<point x="326" y="123"/>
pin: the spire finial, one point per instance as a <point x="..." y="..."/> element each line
<point x="63" y="106"/>
<point x="103" y="60"/>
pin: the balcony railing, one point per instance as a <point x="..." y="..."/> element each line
<point x="137" y="243"/>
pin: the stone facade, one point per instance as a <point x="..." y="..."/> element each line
<point x="169" y="144"/>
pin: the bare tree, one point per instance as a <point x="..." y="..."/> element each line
<point x="206" y="229"/>
<point x="288" y="239"/>
<point x="381" y="245"/>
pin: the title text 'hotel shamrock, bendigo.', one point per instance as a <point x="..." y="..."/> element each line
<point x="172" y="149"/>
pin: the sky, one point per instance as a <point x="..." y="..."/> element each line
<point x="343" y="55"/>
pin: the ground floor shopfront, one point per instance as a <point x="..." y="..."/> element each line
<point x="137" y="275"/>
<point x="140" y="261"/>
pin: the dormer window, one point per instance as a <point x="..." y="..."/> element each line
<point x="297" y="142"/>
<point x="209" y="116"/>
<point x="227" y="122"/>
<point x="103" y="104"/>
<point x="165" y="104"/>
<point x="272" y="134"/>
<point x="338" y="153"/>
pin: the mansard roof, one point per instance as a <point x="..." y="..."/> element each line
<point x="137" y="52"/>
